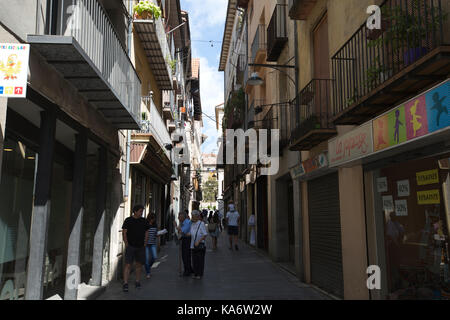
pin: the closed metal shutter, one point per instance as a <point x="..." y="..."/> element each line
<point x="325" y="234"/>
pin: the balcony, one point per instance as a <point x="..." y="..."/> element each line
<point x="83" y="46"/>
<point x="310" y="122"/>
<point x="259" y="44"/>
<point x="168" y="104"/>
<point x="277" y="36"/>
<point x="300" y="9"/>
<point x="254" y="112"/>
<point x="153" y="38"/>
<point x="154" y="130"/>
<point x="377" y="69"/>
<point x="243" y="4"/>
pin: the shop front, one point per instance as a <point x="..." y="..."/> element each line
<point x="405" y="158"/>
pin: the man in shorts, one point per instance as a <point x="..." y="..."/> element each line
<point x="133" y="231"/>
<point x="232" y="219"/>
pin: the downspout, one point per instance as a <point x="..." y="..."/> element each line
<point x="127" y="167"/>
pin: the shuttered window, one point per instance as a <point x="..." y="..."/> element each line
<point x="325" y="234"/>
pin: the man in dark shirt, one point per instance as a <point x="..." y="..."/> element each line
<point x="133" y="231"/>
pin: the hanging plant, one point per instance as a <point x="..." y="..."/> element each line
<point x="146" y="10"/>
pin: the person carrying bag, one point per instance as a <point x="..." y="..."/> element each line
<point x="198" y="246"/>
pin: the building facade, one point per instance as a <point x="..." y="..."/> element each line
<point x="369" y="127"/>
<point x="91" y="139"/>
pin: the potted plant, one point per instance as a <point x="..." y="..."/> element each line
<point x="146" y="10"/>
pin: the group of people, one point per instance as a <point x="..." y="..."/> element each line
<point x="140" y="236"/>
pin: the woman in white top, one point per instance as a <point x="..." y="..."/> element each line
<point x="251" y="227"/>
<point x="198" y="247"/>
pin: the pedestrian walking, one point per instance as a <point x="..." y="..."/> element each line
<point x="184" y="229"/>
<point x="151" y="242"/>
<point x="251" y="227"/>
<point x="134" y="230"/>
<point x="232" y="219"/>
<point x="198" y="235"/>
<point x="220" y="213"/>
<point x="213" y="229"/>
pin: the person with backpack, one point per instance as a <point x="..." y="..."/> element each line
<point x="213" y="228"/>
<point x="198" y="235"/>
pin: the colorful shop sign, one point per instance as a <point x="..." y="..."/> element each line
<point x="420" y="116"/>
<point x="352" y="145"/>
<point x="14" y="69"/>
<point x="428" y="197"/>
<point x="318" y="162"/>
<point x="427" y="177"/>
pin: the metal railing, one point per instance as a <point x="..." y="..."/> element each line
<point x="314" y="110"/>
<point x="259" y="41"/>
<point x="155" y="125"/>
<point x="410" y="29"/>
<point x="277" y="32"/>
<point x="87" y="22"/>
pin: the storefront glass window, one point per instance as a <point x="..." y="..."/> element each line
<point x="58" y="231"/>
<point x="16" y="198"/>
<point x="413" y="198"/>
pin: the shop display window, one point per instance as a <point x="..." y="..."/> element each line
<point x="16" y="198"/>
<point x="413" y="198"/>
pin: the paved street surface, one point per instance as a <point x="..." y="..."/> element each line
<point x="229" y="275"/>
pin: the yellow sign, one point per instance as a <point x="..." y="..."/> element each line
<point x="427" y="177"/>
<point x="428" y="197"/>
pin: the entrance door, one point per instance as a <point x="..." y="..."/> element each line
<point x="262" y="215"/>
<point x="291" y="229"/>
<point x="325" y="234"/>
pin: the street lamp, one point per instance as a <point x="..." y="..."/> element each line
<point x="255" y="80"/>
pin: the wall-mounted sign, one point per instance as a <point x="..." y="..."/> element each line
<point x="428" y="197"/>
<point x="420" y="116"/>
<point x="14" y="69"/>
<point x="403" y="188"/>
<point x="388" y="203"/>
<point x="318" y="162"/>
<point x="351" y="146"/>
<point x="401" y="208"/>
<point x="427" y="177"/>
<point x="382" y="185"/>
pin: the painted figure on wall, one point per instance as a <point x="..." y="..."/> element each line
<point x="417" y="125"/>
<point x="398" y="123"/>
<point x="439" y="106"/>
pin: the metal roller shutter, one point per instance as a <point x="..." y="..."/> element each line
<point x="325" y="234"/>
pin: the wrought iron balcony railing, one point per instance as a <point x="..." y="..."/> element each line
<point x="81" y="43"/>
<point x="277" y="35"/>
<point x="406" y="47"/>
<point x="259" y="43"/>
<point x="311" y="120"/>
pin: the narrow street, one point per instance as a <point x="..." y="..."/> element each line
<point x="229" y="275"/>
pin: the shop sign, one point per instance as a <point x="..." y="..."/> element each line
<point x="352" y="145"/>
<point x="318" y="162"/>
<point x="382" y="185"/>
<point x="388" y="203"/>
<point x="427" y="177"/>
<point x="14" y="59"/>
<point x="401" y="208"/>
<point x="297" y="171"/>
<point x="418" y="117"/>
<point x="428" y="197"/>
<point x="403" y="188"/>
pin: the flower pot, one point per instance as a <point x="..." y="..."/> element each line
<point x="146" y="15"/>
<point x="413" y="54"/>
<point x="376" y="33"/>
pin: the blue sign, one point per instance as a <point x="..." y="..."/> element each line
<point x="438" y="107"/>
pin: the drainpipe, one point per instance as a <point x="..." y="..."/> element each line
<point x="127" y="170"/>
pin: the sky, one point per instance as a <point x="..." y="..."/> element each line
<point x="207" y="21"/>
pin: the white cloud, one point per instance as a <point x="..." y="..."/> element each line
<point x="205" y="14"/>
<point x="211" y="91"/>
